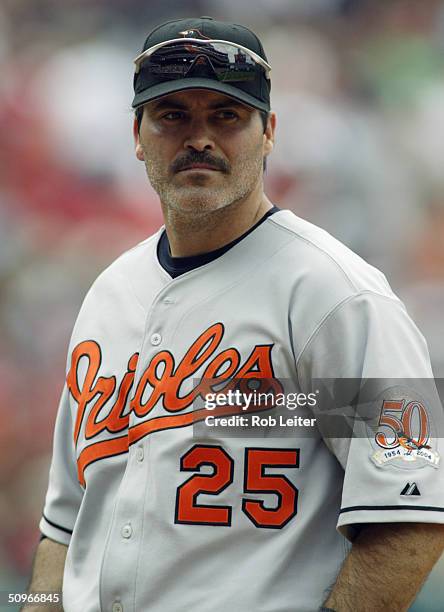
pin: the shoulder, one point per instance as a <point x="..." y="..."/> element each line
<point x="129" y="268"/>
<point x="336" y="300"/>
<point x="324" y="261"/>
<point x="118" y="290"/>
<point x="131" y="261"/>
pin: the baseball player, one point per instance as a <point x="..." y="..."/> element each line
<point x="155" y="510"/>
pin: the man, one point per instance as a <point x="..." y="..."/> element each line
<point x="155" y="518"/>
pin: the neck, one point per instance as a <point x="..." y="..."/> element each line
<point x="190" y="234"/>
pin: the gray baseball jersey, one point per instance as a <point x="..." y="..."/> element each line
<point x="160" y="520"/>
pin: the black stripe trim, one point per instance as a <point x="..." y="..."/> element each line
<point x="426" y="508"/>
<point x="57" y="526"/>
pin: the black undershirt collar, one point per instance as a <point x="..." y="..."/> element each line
<point x="175" y="266"/>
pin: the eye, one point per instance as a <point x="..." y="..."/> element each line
<point x="172" y="116"/>
<point x="227" y="115"/>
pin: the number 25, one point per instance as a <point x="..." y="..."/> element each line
<point x="256" y="480"/>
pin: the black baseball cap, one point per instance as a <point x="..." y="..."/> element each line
<point x="255" y="92"/>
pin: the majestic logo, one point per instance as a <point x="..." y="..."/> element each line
<point x="160" y="384"/>
<point x="410" y="489"/>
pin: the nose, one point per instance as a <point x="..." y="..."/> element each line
<point x="199" y="137"/>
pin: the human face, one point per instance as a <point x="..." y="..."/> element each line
<point x="202" y="150"/>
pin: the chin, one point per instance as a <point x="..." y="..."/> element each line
<point x="203" y="202"/>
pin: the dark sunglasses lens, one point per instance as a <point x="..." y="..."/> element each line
<point x="223" y="62"/>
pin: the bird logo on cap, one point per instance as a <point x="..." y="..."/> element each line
<point x="195" y="33"/>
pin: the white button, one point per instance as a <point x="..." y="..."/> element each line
<point x="156" y="339"/>
<point x="139" y="453"/>
<point x="117" y="607"/>
<point x="127" y="531"/>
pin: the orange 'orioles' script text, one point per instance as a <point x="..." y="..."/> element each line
<point x="222" y="366"/>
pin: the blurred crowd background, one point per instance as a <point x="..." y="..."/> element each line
<point x="359" y="91"/>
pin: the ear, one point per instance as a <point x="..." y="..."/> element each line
<point x="139" y="150"/>
<point x="269" y="134"/>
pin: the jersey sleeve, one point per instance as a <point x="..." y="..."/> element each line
<point x="64" y="494"/>
<point x="369" y="336"/>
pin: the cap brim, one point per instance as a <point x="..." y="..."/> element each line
<point x="162" y="89"/>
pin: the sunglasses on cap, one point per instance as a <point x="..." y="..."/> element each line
<point x="180" y="57"/>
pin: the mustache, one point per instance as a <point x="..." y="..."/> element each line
<point x="199" y="157"/>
